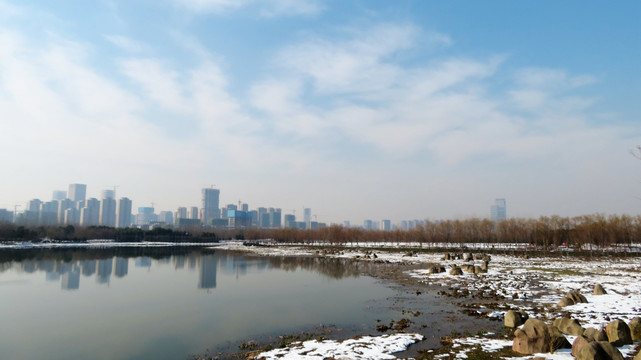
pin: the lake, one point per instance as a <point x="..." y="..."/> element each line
<point x="171" y="302"/>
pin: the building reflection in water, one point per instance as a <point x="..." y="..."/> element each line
<point x="105" y="266"/>
<point x="208" y="268"/>
<point x="122" y="267"/>
<point x="71" y="279"/>
<point x="68" y="271"/>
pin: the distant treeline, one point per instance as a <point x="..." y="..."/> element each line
<point x="544" y="232"/>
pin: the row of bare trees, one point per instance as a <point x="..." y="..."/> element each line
<point x="545" y="232"/>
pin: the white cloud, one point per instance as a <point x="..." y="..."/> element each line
<point x="266" y="8"/>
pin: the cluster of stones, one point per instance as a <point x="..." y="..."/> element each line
<point x="590" y="344"/>
<point x="469" y="268"/>
<point x="571" y="298"/>
<point x="466" y="257"/>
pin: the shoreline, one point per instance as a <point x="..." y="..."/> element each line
<point x="533" y="284"/>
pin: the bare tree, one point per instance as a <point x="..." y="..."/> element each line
<point x="636" y="152"/>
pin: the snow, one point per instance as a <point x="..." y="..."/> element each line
<point x="523" y="283"/>
<point x="366" y="347"/>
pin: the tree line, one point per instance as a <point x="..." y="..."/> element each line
<point x="545" y="232"/>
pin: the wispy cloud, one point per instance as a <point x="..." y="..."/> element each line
<point x="267" y="8"/>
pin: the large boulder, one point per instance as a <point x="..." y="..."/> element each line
<point x="577" y="297"/>
<point x="612" y="351"/>
<point x="618" y="333"/>
<point x="569" y="326"/>
<point x="599" y="290"/>
<point x="537" y="337"/>
<point x="594" y="334"/>
<point x="565" y="301"/>
<point x="515" y="318"/>
<point x="599" y="350"/>
<point x="456" y="271"/>
<point x="579" y="343"/>
<point x="635" y="329"/>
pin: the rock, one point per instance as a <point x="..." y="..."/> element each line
<point x="456" y="271"/>
<point x="599" y="290"/>
<point x="524" y="316"/>
<point x="594" y="334"/>
<point x="635" y="329"/>
<point x="512" y="319"/>
<point x="618" y="333"/>
<point x="579" y="343"/>
<point x="484" y="266"/>
<point x="638" y="357"/>
<point x="566" y="301"/>
<point x="537" y="337"/>
<point x="592" y="351"/>
<point x="569" y="326"/>
<point x="576" y="297"/>
<point x="478" y="270"/>
<point x="613" y="352"/>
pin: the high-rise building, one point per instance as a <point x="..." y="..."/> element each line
<point x="167" y="217"/>
<point x="368" y="225"/>
<point x="181" y="213"/>
<point x="210" y="205"/>
<point x="498" y="211"/>
<point x="123" y="213"/>
<point x="63" y="205"/>
<point x="193" y="213"/>
<point x="77" y="192"/>
<point x="290" y="220"/>
<point x="90" y="213"/>
<point x="146" y="215"/>
<point x="6" y="216"/>
<point x="34" y="205"/>
<point x="48" y="213"/>
<point x="275" y="216"/>
<point x="108" y="211"/>
<point x="386" y="225"/>
<point x="59" y="195"/>
<point x="307" y="217"/>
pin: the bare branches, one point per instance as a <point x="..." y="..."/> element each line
<point x="636" y="152"/>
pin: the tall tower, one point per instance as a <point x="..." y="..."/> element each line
<point x="77" y="192"/>
<point x="210" y="205"/>
<point x="123" y="213"/>
<point x="307" y="213"/>
<point x="498" y="211"/>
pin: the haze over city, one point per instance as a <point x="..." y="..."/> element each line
<point x="358" y="110"/>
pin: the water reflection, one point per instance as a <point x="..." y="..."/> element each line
<point x="68" y="267"/>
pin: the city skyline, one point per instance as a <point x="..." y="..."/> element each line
<point x="358" y="110"/>
<point x="76" y="208"/>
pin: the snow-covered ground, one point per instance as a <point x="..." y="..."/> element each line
<point x="362" y="348"/>
<point x="519" y="283"/>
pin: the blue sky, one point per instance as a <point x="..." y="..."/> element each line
<point x="357" y="109"/>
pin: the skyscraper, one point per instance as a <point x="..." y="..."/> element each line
<point x="210" y="205"/>
<point x="77" y="192"/>
<point x="123" y="213"/>
<point x="307" y="216"/>
<point x="90" y="213"/>
<point x="108" y="212"/>
<point x="498" y="211"/>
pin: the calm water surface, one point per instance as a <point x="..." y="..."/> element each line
<point x="149" y="303"/>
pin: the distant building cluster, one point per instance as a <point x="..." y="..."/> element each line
<point x="72" y="207"/>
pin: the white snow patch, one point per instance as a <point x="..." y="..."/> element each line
<point x="366" y="347"/>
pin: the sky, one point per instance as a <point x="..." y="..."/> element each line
<point x="361" y="109"/>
